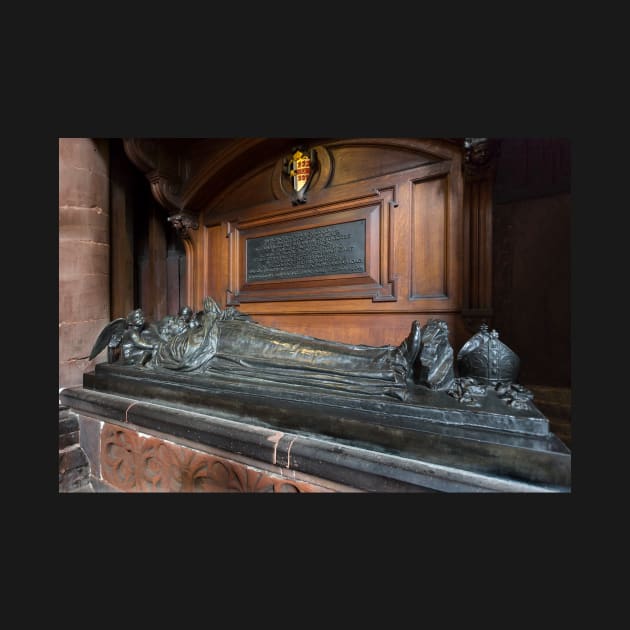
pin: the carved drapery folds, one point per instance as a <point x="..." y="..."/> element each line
<point x="138" y="463"/>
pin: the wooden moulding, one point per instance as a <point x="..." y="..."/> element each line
<point x="373" y="282"/>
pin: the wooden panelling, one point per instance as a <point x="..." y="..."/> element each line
<point x="172" y="281"/>
<point x="429" y="239"/>
<point x="363" y="159"/>
<point x="409" y="193"/>
<point x="477" y="252"/>
<point x="256" y="188"/>
<point x="460" y="254"/>
<point x="373" y="329"/>
<point x="339" y="164"/>
<point x="122" y="252"/>
<point x="228" y="165"/>
<point x="533" y="167"/>
<point x="532" y="286"/>
<point x="214" y="264"/>
<point x="152" y="267"/>
<point x="368" y="281"/>
<point x="122" y="178"/>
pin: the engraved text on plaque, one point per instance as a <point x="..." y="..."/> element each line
<point x="331" y="249"/>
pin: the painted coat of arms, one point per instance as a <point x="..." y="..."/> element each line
<point x="300" y="167"/>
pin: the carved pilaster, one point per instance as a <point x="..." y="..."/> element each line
<point x="479" y="167"/>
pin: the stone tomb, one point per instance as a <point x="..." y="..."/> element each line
<point x="428" y="442"/>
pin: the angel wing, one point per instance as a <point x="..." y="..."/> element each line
<point x="109" y="336"/>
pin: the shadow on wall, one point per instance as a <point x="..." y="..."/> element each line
<point x="531" y="267"/>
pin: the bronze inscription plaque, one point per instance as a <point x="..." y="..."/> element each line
<point x="320" y="251"/>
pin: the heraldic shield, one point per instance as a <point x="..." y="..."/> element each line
<point x="300" y="167"/>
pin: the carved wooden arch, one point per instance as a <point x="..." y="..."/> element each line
<point x="186" y="175"/>
<point x="163" y="170"/>
<point x="220" y="165"/>
<point x="167" y="171"/>
<point x="189" y="177"/>
<point x="259" y="163"/>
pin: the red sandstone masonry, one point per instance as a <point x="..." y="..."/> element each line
<point x="71" y="372"/>
<point x="85" y="153"/>
<point x="77" y="338"/>
<point x="83" y="224"/>
<point x="83" y="299"/>
<point x="134" y="462"/>
<point x="82" y="187"/>
<point x="77" y="258"/>
<point x="83" y="253"/>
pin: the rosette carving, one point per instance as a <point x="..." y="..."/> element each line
<point x="136" y="463"/>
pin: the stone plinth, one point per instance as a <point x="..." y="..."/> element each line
<point x="211" y="453"/>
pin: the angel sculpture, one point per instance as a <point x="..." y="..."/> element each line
<point x="127" y="338"/>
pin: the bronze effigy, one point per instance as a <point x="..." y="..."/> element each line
<point x="413" y="398"/>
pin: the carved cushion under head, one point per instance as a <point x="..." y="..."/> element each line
<point x="487" y="359"/>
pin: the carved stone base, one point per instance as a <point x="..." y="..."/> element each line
<point x="133" y="462"/>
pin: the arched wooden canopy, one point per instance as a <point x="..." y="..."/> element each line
<point x="205" y="182"/>
<point x="186" y="174"/>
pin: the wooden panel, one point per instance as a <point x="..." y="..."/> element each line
<point x="355" y="162"/>
<point x="172" y="281"/>
<point x="215" y="264"/>
<point x="152" y="274"/>
<point x="372" y="282"/>
<point x="340" y="163"/>
<point x="400" y="205"/>
<point x="256" y="188"/>
<point x="477" y="253"/>
<point x="532" y="286"/>
<point x="122" y="238"/>
<point x="533" y="167"/>
<point x="357" y="328"/>
<point x="429" y="239"/>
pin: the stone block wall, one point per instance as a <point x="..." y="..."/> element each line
<point x="74" y="467"/>
<point x="84" y="303"/>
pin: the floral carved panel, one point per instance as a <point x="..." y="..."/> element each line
<point x="139" y="463"/>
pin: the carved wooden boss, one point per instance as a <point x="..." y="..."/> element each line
<point x="346" y="239"/>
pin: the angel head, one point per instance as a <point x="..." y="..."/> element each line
<point x="136" y="318"/>
<point x="186" y="313"/>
